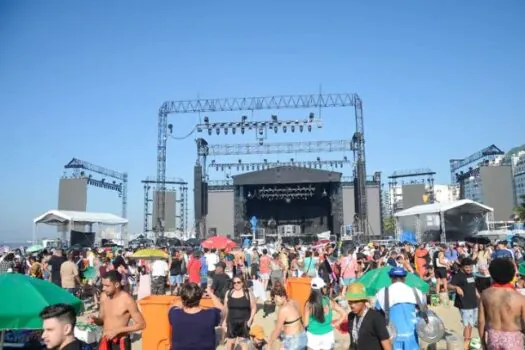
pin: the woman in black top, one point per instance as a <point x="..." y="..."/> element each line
<point x="240" y="311"/>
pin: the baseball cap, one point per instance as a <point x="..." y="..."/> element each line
<point x="397" y="271"/>
<point x="317" y="283"/>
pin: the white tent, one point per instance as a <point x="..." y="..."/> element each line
<point x="433" y="215"/>
<point x="466" y="205"/>
<point x="66" y="218"/>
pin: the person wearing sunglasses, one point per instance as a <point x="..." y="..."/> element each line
<point x="240" y="312"/>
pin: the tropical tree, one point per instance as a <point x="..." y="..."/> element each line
<point x="519" y="211"/>
<point x="389" y="224"/>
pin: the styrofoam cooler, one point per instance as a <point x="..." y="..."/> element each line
<point x="88" y="335"/>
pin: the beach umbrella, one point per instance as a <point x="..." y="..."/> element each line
<point x="149" y="254"/>
<point x="23" y="297"/>
<point x="376" y="279"/>
<point x="35" y="248"/>
<point x="219" y="242"/>
<point x="90" y="273"/>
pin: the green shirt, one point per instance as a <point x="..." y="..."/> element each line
<point x="318" y="328"/>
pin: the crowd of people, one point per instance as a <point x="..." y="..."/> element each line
<point x="483" y="281"/>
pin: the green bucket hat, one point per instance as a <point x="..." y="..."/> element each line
<point x="356" y="292"/>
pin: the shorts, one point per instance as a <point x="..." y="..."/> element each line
<point x="347" y="281"/>
<point x="469" y="317"/>
<point x="321" y="341"/>
<point x="297" y="341"/>
<point x="441" y="272"/>
<point x="122" y="343"/>
<point x="175" y="279"/>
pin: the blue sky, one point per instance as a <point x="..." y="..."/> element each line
<point x="439" y="80"/>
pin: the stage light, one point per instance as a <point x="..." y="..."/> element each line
<point x="225" y="131"/>
<point x="170" y="128"/>
<point x="311" y="116"/>
<point x="324" y="193"/>
<point x="244" y="118"/>
<point x="209" y="131"/>
<point x="284" y="129"/>
<point x="217" y="131"/>
<point x="292" y="128"/>
<point x="233" y="131"/>
<point x="301" y="128"/>
<point x="309" y="128"/>
<point x="217" y="168"/>
<point x="318" y="159"/>
<point x="275" y="129"/>
<point x="242" y="131"/>
<point x="274" y="118"/>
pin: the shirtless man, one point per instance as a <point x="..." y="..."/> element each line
<point x="117" y="308"/>
<point x="501" y="319"/>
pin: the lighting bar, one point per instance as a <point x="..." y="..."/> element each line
<point x="316" y="164"/>
<point x="261" y="127"/>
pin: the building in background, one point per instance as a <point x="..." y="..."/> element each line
<point x="408" y="188"/>
<point x="491" y="183"/>
<point x="517" y="161"/>
<point x="446" y="193"/>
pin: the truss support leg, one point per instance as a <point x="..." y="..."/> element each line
<point x="161" y="171"/>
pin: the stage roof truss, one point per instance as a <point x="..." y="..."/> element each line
<point x="122" y="188"/>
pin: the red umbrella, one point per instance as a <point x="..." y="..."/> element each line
<point x="218" y="242"/>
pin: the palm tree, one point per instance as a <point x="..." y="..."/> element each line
<point x="520" y="209"/>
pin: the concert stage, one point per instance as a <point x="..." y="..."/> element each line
<point x="291" y="201"/>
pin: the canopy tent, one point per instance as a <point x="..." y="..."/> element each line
<point x="68" y="219"/>
<point x="459" y="219"/>
<point x="466" y="205"/>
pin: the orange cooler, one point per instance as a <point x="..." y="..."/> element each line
<point x="298" y="289"/>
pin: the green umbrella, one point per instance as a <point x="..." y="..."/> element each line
<point x="23" y="297"/>
<point x="35" y="248"/>
<point x="376" y="279"/>
<point x="521" y="269"/>
<point x="90" y="273"/>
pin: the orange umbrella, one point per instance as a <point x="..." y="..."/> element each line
<point x="219" y="242"/>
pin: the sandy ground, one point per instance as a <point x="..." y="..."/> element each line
<point x="448" y="314"/>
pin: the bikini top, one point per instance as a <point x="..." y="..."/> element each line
<point x="286" y="323"/>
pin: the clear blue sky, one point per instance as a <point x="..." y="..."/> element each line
<point x="439" y="80"/>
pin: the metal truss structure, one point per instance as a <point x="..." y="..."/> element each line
<point x="81" y="166"/>
<point x="422" y="176"/>
<point x="182" y="201"/>
<point x="203" y="149"/>
<point x="267" y="103"/>
<point x="487" y="153"/>
<point x="317" y="164"/>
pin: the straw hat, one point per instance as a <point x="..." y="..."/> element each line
<point x="356" y="292"/>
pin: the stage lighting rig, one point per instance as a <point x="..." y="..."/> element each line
<point x="267" y="103"/>
<point x="261" y="127"/>
<point x="316" y="164"/>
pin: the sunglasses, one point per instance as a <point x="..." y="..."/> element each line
<point x="237" y="282"/>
